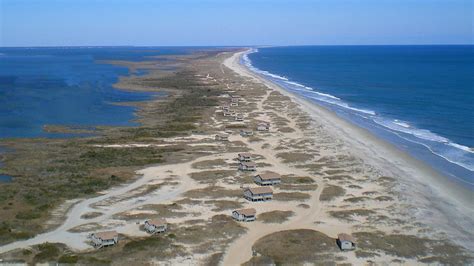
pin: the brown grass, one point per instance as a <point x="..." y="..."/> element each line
<point x="294" y="157"/>
<point x="409" y="246"/>
<point x="275" y="216"/>
<point x="217" y="163"/>
<point x="348" y="215"/>
<point x="295" y="247"/>
<point x="331" y="192"/>
<point x="291" y="196"/>
<point x="214" y="192"/>
<point x="211" y="176"/>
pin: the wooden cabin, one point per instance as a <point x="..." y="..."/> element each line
<point x="104" y="239"/>
<point x="156" y="226"/>
<point x="245" y="215"/>
<point x="222" y="137"/>
<point x="267" y="179"/>
<point x="246" y="133"/>
<point x="263" y="127"/>
<point x="345" y="242"/>
<point x="248" y="166"/>
<point x="235" y="98"/>
<point x="244" y="157"/>
<point x="258" y="194"/>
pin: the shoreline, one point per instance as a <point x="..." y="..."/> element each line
<point x="327" y="187"/>
<point x="441" y="203"/>
<point x="404" y="164"/>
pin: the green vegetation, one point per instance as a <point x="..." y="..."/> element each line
<point x="295" y="247"/>
<point x="409" y="246"/>
<point x="348" y="215"/>
<point x="49" y="171"/>
<point x="294" y="157"/>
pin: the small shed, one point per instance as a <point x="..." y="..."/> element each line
<point x="246" y="133"/>
<point x="258" y="194"/>
<point x="247" y="166"/>
<point x="239" y="117"/>
<point x="156" y="226"/>
<point x="245" y="215"/>
<point x="225" y="107"/>
<point x="234" y="104"/>
<point x="345" y="241"/>
<point x="263" y="127"/>
<point x="267" y="179"/>
<point x="104" y="239"/>
<point x="244" y="157"/>
<point x="235" y="98"/>
<point x="222" y="137"/>
<point x="227" y="113"/>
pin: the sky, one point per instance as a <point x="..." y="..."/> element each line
<point x="232" y="22"/>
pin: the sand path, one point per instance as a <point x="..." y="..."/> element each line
<point x="117" y="200"/>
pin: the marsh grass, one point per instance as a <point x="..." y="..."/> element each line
<point x="409" y="246"/>
<point x="331" y="192"/>
<point x="291" y="196"/>
<point x="211" y="176"/>
<point x="295" y="247"/>
<point x="294" y="157"/>
<point x="217" y="163"/>
<point x="275" y="216"/>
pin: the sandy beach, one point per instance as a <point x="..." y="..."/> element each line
<point x="336" y="178"/>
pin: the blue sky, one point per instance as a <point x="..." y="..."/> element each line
<point x="232" y="22"/>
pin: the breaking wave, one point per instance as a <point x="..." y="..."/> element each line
<point x="438" y="145"/>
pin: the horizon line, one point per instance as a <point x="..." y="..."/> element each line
<point x="232" y="46"/>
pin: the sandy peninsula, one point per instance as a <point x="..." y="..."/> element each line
<point x="335" y="178"/>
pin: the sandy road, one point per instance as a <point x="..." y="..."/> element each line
<point x="240" y="250"/>
<point x="117" y="200"/>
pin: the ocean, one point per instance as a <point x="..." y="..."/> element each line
<point x="419" y="98"/>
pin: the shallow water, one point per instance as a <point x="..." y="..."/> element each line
<point x="66" y="86"/>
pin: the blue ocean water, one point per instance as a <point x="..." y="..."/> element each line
<point x="66" y="86"/>
<point x="419" y="98"/>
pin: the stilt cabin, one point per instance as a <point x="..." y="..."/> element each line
<point x="222" y="137"/>
<point x="258" y="194"/>
<point x="247" y="166"/>
<point x="104" y="239"/>
<point x="345" y="242"/>
<point x="245" y="215"/>
<point x="244" y="157"/>
<point x="156" y="226"/>
<point x="263" y="127"/>
<point x="267" y="179"/>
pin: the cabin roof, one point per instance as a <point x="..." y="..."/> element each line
<point x="260" y="190"/>
<point x="268" y="175"/>
<point x="106" y="235"/>
<point x="346" y="237"/>
<point x="157" y="222"/>
<point x="247" y="212"/>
